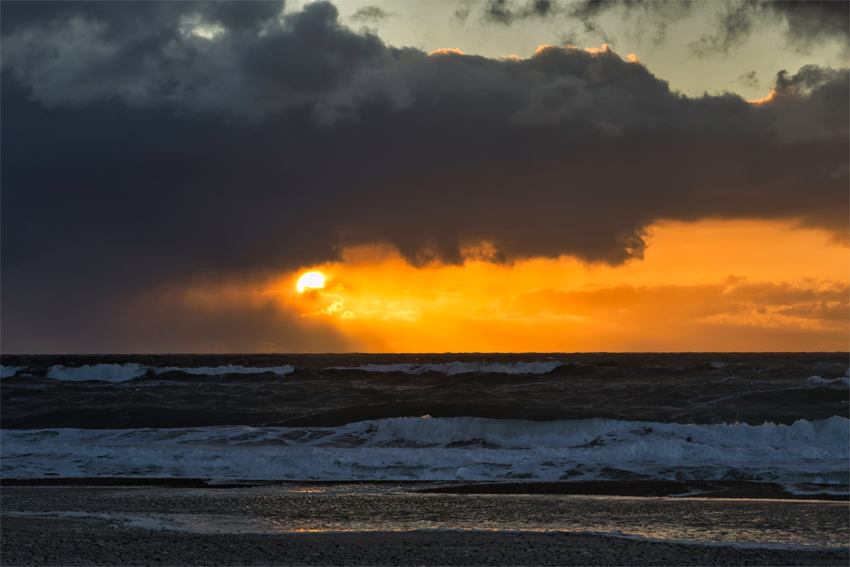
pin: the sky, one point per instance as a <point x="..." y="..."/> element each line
<point x="467" y="176"/>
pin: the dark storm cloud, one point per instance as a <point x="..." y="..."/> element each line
<point x="226" y="58"/>
<point x="145" y="143"/>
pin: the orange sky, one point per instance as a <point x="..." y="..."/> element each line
<point x="707" y="286"/>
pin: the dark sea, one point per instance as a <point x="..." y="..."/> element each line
<point x="776" y="417"/>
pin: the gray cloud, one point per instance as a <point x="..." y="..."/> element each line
<point x="208" y="57"/>
<point x="806" y="23"/>
<point x="646" y="15"/>
<point x="810" y="22"/>
<point x="735" y="26"/>
<point x="506" y="12"/>
<point x="137" y="150"/>
<point x="810" y="104"/>
<point x="749" y="79"/>
<point x="370" y="14"/>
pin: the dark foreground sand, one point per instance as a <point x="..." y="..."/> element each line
<point x="92" y="541"/>
<point x="36" y="527"/>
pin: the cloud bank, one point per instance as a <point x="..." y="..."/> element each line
<point x="143" y="141"/>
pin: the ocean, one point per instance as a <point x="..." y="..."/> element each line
<point x="747" y="455"/>
<point x="776" y="417"/>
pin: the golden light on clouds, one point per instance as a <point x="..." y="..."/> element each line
<point x="446" y="51"/>
<point x="700" y="286"/>
<point x="706" y="286"/>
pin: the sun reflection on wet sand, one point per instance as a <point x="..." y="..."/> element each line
<point x="739" y="521"/>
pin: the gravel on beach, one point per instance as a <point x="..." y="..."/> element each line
<point x="60" y="541"/>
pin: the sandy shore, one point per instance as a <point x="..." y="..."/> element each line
<point x="115" y="521"/>
<point x="49" y="540"/>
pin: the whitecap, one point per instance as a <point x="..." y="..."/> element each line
<point x="817" y="380"/>
<point x="9" y="371"/>
<point x="219" y="370"/>
<point x="100" y="372"/>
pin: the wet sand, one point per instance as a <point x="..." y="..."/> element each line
<point x="93" y="541"/>
<point x="132" y="522"/>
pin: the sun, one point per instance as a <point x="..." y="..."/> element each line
<point x="311" y="280"/>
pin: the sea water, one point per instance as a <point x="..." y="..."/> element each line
<point x="385" y="426"/>
<point x="762" y="417"/>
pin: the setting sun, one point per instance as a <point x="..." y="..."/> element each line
<point x="311" y="280"/>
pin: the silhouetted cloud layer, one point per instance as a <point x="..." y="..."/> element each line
<point x="146" y="140"/>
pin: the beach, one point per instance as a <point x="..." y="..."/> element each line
<point x="90" y="541"/>
<point x="190" y="522"/>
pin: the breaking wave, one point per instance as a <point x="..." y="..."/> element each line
<point x="100" y="372"/>
<point x="445" y="449"/>
<point x="9" y="371"/>
<point x="131" y="371"/>
<point x="818" y="381"/>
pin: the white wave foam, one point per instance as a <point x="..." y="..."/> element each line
<point x="100" y="372"/>
<point x="219" y="370"/>
<point x="817" y="380"/>
<point x="452" y="368"/>
<point x="444" y="449"/>
<point x="719" y="365"/>
<point x="812" y="491"/>
<point x="9" y="371"/>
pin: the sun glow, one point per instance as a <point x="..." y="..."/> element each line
<point x="311" y="280"/>
<point x="708" y="286"/>
<point x="702" y="286"/>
